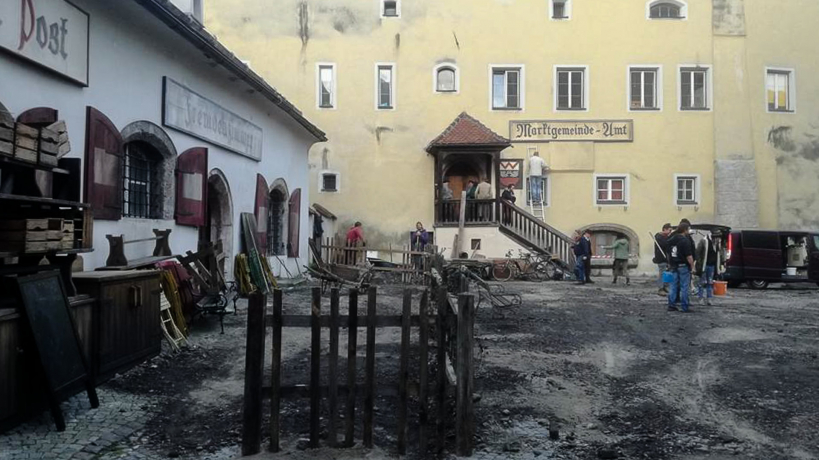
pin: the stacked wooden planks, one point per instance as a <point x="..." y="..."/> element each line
<point x="36" y="235"/>
<point x="33" y="145"/>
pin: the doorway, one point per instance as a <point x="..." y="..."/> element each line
<point x="277" y="222"/>
<point x="459" y="174"/>
<point x="219" y="226"/>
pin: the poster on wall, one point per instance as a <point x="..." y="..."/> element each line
<point x="50" y="33"/>
<point x="511" y="172"/>
<point x="186" y="111"/>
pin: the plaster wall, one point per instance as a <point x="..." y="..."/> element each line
<point x="494" y="245"/>
<point x="130" y="52"/>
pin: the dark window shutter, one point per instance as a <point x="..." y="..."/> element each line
<point x="293" y="222"/>
<point x="192" y="187"/>
<point x="38" y="116"/>
<point x="261" y="211"/>
<point x="103" y="166"/>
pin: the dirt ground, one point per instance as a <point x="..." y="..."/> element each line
<point x="618" y="374"/>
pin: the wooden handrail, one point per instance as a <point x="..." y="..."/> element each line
<point x="505" y="204"/>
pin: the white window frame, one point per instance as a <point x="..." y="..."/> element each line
<point x="681" y="3"/>
<point x="382" y="9"/>
<point x="324" y="172"/>
<point x="626" y="187"/>
<point x="709" y="90"/>
<point x="393" y="89"/>
<point x="658" y="86"/>
<point x="696" y="190"/>
<point x="556" y="87"/>
<point x="521" y="87"/>
<point x="443" y="65"/>
<point x="567" y="9"/>
<point x="333" y="97"/>
<point x="791" y="88"/>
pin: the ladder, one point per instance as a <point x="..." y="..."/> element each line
<point x="535" y="207"/>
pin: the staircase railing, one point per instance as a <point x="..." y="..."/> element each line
<point x="537" y="234"/>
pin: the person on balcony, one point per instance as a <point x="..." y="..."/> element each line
<point x="446" y="192"/>
<point x="484" y="192"/>
<point x="471" y="189"/>
<point x="508" y="195"/>
<point x="536" y="169"/>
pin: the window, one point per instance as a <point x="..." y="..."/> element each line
<point x="687" y="189"/>
<point x="611" y="189"/>
<point x="390" y="8"/>
<point x="446" y="79"/>
<point x="560" y="9"/>
<point x="667" y="9"/>
<point x="141" y="195"/>
<point x="695" y="88"/>
<point x="761" y="240"/>
<point x="326" y="82"/>
<point x="779" y="87"/>
<point x="571" y="88"/>
<point x="506" y="88"/>
<point x="644" y="88"/>
<point x="475" y="244"/>
<point x="329" y="182"/>
<point x="385" y="86"/>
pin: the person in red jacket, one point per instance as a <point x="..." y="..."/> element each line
<point x="355" y="238"/>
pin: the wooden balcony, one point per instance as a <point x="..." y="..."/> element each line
<point x="477" y="213"/>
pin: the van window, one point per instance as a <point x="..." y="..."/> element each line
<point x="816" y="241"/>
<point x="760" y="240"/>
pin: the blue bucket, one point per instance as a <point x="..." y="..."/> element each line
<point x="668" y="277"/>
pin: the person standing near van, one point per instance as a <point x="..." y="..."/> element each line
<point x="537" y="166"/>
<point x="621" y="250"/>
<point x="660" y="259"/>
<point x="681" y="260"/>
<point x="707" y="256"/>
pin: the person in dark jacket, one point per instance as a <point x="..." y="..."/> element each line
<point x="681" y="261"/>
<point x="580" y="261"/>
<point x="420" y="239"/>
<point x="508" y="195"/>
<point x="588" y="253"/>
<point x="706" y="265"/>
<point x="660" y="251"/>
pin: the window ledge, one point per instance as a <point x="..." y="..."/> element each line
<point x="781" y="111"/>
<point x="678" y="18"/>
<point x="644" y="109"/>
<point x="447" y="91"/>
<point x="508" y="109"/>
<point x="687" y="203"/>
<point x="615" y="203"/>
<point x="326" y="107"/>
<point x="572" y="109"/>
<point x="692" y="109"/>
<point x="386" y="108"/>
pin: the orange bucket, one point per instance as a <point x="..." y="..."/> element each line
<point x="720" y="287"/>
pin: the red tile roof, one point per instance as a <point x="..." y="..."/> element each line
<point x="467" y="131"/>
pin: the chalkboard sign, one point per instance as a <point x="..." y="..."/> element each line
<point x="55" y="336"/>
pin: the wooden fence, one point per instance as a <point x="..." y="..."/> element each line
<point x="402" y="262"/>
<point x="409" y="381"/>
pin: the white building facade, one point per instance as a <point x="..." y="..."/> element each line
<point x="201" y="137"/>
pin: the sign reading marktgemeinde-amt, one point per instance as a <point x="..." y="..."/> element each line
<point x="572" y="131"/>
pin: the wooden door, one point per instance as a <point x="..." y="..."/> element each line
<point x="294" y="222"/>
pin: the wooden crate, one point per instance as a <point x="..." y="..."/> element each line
<point x="6" y="148"/>
<point x="6" y="134"/>
<point x="30" y="246"/>
<point x="31" y="235"/>
<point x="32" y="224"/>
<point x="24" y="154"/>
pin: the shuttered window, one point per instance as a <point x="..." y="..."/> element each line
<point x="103" y="166"/>
<point x="261" y="207"/>
<point x="294" y="222"/>
<point x="142" y="188"/>
<point x="191" y="187"/>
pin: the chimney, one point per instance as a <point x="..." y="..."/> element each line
<point x="193" y="8"/>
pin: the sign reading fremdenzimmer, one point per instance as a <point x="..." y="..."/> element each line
<point x="51" y="33"/>
<point x="186" y="111"/>
<point x="572" y="131"/>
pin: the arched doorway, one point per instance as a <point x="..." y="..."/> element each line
<point x="459" y="173"/>
<point x="220" y="218"/>
<point x="277" y="218"/>
<point x="605" y="234"/>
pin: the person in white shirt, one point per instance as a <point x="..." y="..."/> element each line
<point x="536" y="169"/>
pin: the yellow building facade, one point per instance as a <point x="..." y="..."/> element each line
<point x="644" y="111"/>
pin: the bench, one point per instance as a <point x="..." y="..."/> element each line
<point x="215" y="294"/>
<point x="116" y="251"/>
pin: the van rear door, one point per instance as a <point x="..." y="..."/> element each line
<point x="762" y="255"/>
<point x="813" y="264"/>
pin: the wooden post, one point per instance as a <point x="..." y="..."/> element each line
<point x="276" y="367"/>
<point x="440" y="393"/>
<point x="423" y="373"/>
<point x="315" y="369"/>
<point x="403" y="373"/>
<point x="352" y="341"/>
<point x="333" y="369"/>
<point x="369" y="368"/>
<point x="464" y="427"/>
<point x="254" y="368"/>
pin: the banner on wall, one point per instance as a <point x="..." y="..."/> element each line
<point x="49" y="33"/>
<point x="511" y="172"/>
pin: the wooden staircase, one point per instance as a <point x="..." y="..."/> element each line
<point x="534" y="234"/>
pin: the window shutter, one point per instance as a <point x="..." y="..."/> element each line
<point x="103" y="166"/>
<point x="293" y="222"/>
<point x="192" y="187"/>
<point x="261" y="208"/>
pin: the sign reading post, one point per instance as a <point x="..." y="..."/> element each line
<point x="186" y="111"/>
<point x="572" y="131"/>
<point x="51" y="33"/>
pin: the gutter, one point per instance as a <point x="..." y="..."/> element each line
<point x="196" y="34"/>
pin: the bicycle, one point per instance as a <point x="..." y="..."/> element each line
<point x="537" y="267"/>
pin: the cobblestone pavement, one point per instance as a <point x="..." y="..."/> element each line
<point x="111" y="432"/>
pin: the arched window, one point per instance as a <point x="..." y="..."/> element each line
<point x="277" y="223"/>
<point x="446" y="79"/>
<point x="142" y="195"/>
<point x="667" y="10"/>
